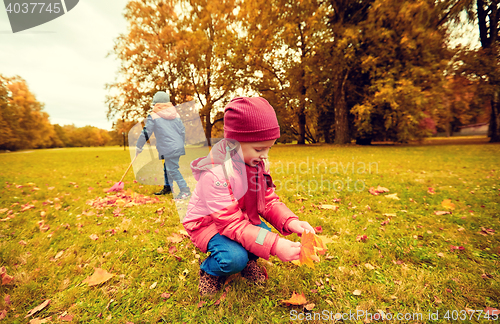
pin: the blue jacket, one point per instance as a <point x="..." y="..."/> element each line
<point x="168" y="129"/>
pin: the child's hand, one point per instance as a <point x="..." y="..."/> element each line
<point x="287" y="250"/>
<point x="299" y="227"/>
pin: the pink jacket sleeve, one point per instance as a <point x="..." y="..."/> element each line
<point x="276" y="212"/>
<point x="232" y="222"/>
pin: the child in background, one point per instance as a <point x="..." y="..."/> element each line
<point x="166" y="124"/>
<point x="234" y="190"/>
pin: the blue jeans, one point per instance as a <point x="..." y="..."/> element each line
<point x="227" y="256"/>
<point x="171" y="173"/>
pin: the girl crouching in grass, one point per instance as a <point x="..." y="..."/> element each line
<point x="233" y="192"/>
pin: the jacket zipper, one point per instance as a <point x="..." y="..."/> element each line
<point x="258" y="194"/>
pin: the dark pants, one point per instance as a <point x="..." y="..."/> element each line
<point x="172" y="174"/>
<point x="227" y="256"/>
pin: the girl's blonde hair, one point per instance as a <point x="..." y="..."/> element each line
<point x="228" y="161"/>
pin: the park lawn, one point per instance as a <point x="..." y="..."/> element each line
<point x="386" y="255"/>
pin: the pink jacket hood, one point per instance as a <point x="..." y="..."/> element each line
<point x="165" y="111"/>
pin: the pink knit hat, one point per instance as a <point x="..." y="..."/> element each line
<point x="250" y="120"/>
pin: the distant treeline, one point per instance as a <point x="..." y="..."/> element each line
<point x="24" y="124"/>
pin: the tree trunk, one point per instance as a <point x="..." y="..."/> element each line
<point x="341" y="113"/>
<point x="208" y="129"/>
<point x="302" y="127"/>
<point x="494" y="129"/>
<point x="302" y="111"/>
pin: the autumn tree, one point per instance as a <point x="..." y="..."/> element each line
<point x="281" y="39"/>
<point x="24" y="123"/>
<point x="183" y="47"/>
<point x="210" y="33"/>
<point x="463" y="104"/>
<point x="121" y="126"/>
<point x="483" y="64"/>
<point x="7" y="118"/>
<point x="346" y="23"/>
<point x="406" y="56"/>
<point x="150" y="56"/>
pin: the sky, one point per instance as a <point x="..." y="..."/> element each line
<point x="64" y="60"/>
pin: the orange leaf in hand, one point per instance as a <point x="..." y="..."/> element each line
<point x="311" y="244"/>
<point x="99" y="276"/>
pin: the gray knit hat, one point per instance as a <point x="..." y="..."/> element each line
<point x="161" y="97"/>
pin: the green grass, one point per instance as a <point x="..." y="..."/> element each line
<point x="414" y="269"/>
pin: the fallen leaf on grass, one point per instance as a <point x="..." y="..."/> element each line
<point x="38" y="308"/>
<point x="7" y="299"/>
<point x="326" y="240"/>
<point x="361" y="238"/>
<point x="26" y="207"/>
<point x="127" y="199"/>
<point x="99" y="276"/>
<point x="3" y="314"/>
<point x="184" y="233"/>
<point x="378" y="190"/>
<point x="369" y="266"/>
<point x="332" y="207"/>
<point x="175" y="238"/>
<point x="460" y="248"/>
<point x="222" y="297"/>
<point x="486" y="276"/>
<point x="431" y="190"/>
<point x="42" y="226"/>
<point x="440" y="213"/>
<point x="201" y="303"/>
<point x="392" y="196"/>
<point x="89" y="213"/>
<point x="492" y="311"/>
<point x="309" y="307"/>
<point x="165" y="295"/>
<point x="486" y="231"/>
<point x="66" y="318"/>
<point x="94" y="237"/>
<point x="296" y="299"/>
<point x="39" y="320"/>
<point x="318" y="229"/>
<point x="448" y="204"/>
<point x="6" y="279"/>
<point x="440" y="254"/>
<point x="183" y="275"/>
<point x="356" y="292"/>
<point x="160" y="211"/>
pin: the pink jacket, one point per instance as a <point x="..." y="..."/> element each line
<point x="233" y="208"/>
